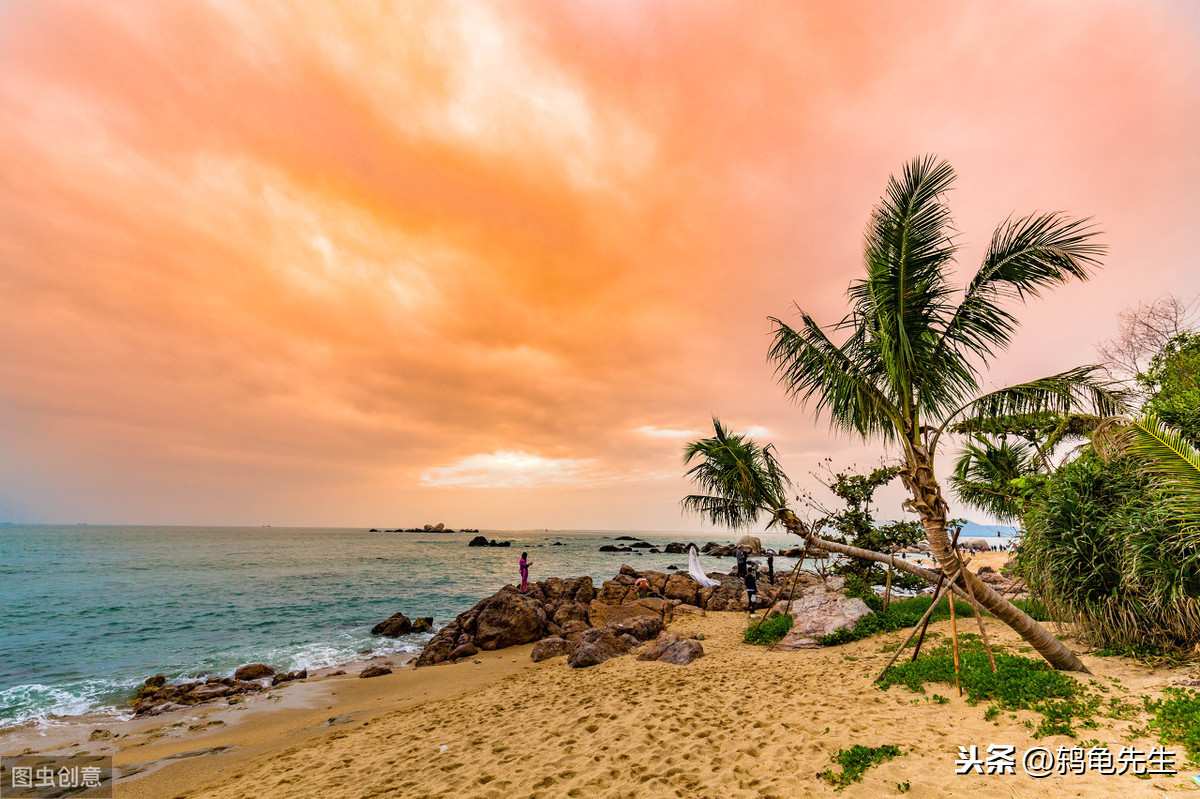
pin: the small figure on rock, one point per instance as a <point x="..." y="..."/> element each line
<point x="771" y="566"/>
<point x="741" y="563"/>
<point x="523" y="564"/>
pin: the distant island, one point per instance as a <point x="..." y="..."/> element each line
<point x="429" y="528"/>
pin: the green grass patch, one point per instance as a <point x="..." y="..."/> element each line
<point x="1177" y="719"/>
<point x="1019" y="683"/>
<point x="907" y="612"/>
<point x="769" y="631"/>
<point x="855" y="761"/>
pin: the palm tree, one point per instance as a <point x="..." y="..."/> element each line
<point x="911" y="358"/>
<point x="742" y="481"/>
<point x="1168" y="456"/>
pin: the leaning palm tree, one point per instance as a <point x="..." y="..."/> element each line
<point x="742" y="481"/>
<point x="911" y="357"/>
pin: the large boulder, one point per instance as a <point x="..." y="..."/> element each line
<point x="668" y="647"/>
<point x="509" y="618"/>
<point x="750" y="544"/>
<point x="478" y="541"/>
<point x="393" y="626"/>
<point x="596" y="646"/>
<point x="821" y="610"/>
<point x="642" y="628"/>
<point x="600" y="613"/>
<point x="374" y="671"/>
<point x="254" y="671"/>
<point x="423" y="624"/>
<point x="681" y="587"/>
<point x="550" y="648"/>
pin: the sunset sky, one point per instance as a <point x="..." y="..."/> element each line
<point x="491" y="264"/>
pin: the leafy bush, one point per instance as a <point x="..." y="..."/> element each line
<point x="770" y="631"/>
<point x="1102" y="549"/>
<point x="855" y="761"/>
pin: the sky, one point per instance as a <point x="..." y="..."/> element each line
<point x="493" y="264"/>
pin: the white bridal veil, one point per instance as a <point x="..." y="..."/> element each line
<point x="694" y="568"/>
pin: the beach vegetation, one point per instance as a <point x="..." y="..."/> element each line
<point x="1019" y="683"/>
<point x="1176" y="719"/>
<point x="907" y="612"/>
<point x="855" y="761"/>
<point x="913" y="351"/>
<point x="769" y="631"/>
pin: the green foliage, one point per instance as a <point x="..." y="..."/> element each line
<point x="1103" y="549"/>
<point x="1177" y="719"/>
<point x="1173" y="380"/>
<point x="1019" y="683"/>
<point x="901" y="613"/>
<point x="855" y="761"/>
<point x="855" y="525"/>
<point x="740" y="478"/>
<point x="769" y="631"/>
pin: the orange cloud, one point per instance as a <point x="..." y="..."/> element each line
<point x="332" y="265"/>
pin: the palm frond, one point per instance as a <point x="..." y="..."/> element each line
<point x="1026" y="255"/>
<point x="739" y="478"/>
<point x="808" y="364"/>
<point x="984" y="472"/>
<point x="1172" y="460"/>
<point x="1075" y="389"/>
<point x="905" y="295"/>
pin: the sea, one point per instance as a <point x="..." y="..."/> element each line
<point x="89" y="612"/>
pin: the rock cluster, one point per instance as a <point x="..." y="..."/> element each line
<point x="429" y="528"/>
<point x="398" y="624"/>
<point x="560" y="613"/>
<point x="157" y="696"/>
<point x="1006" y="586"/>
<point x="821" y="609"/>
<point x="482" y="541"/>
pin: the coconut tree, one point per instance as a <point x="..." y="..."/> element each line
<point x="743" y="481"/>
<point x="912" y="350"/>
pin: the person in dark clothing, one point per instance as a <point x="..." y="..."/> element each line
<point x="771" y="566"/>
<point x="751" y="580"/>
<point x="741" y="563"/>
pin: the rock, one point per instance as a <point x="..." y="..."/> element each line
<point x="478" y="541"/>
<point x="374" y="671"/>
<point x="601" y="613"/>
<point x="571" y="611"/>
<point x="550" y="648"/>
<point x="626" y="538"/>
<point x="642" y="628"/>
<point x="157" y="681"/>
<point x="750" y="544"/>
<point x="690" y="610"/>
<point x="675" y="548"/>
<point x="681" y="587"/>
<point x="557" y="544"/>
<point x="465" y="650"/>
<point x="101" y="735"/>
<point x="302" y="674"/>
<point x="509" y="618"/>
<point x="596" y="646"/>
<point x="682" y="653"/>
<point x="652" y="650"/>
<point x="821" y="610"/>
<point x="609" y="548"/>
<point x="641" y="545"/>
<point x="423" y="624"/>
<point x="207" y="692"/>
<point x="394" y="626"/>
<point x="428" y="528"/>
<point x="254" y="671"/>
<point x="672" y="567"/>
<point x="572" y="629"/>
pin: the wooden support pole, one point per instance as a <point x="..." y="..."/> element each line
<point x="887" y="594"/>
<point x="987" y="647"/>
<point x="924" y="621"/>
<point x="954" y="639"/>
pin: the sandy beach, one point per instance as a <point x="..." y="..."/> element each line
<point x="741" y="721"/>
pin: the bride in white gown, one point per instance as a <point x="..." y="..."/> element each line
<point x="695" y="571"/>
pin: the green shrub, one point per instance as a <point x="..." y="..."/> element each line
<point x="769" y="631"/>
<point x="855" y="761"/>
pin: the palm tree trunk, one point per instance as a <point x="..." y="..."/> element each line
<point x="928" y="503"/>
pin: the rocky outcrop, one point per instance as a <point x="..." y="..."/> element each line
<point x="422" y="624"/>
<point x="508" y="618"/>
<point x="550" y="648"/>
<point x="393" y="626"/>
<point x="595" y="646"/>
<point x="668" y="647"/>
<point x="483" y="541"/>
<point x="821" y="609"/>
<point x="156" y="696"/>
<point x="675" y="548"/>
<point x="290" y="676"/>
<point x="716" y="550"/>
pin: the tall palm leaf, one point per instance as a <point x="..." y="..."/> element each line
<point x="1173" y="461"/>
<point x="911" y="359"/>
